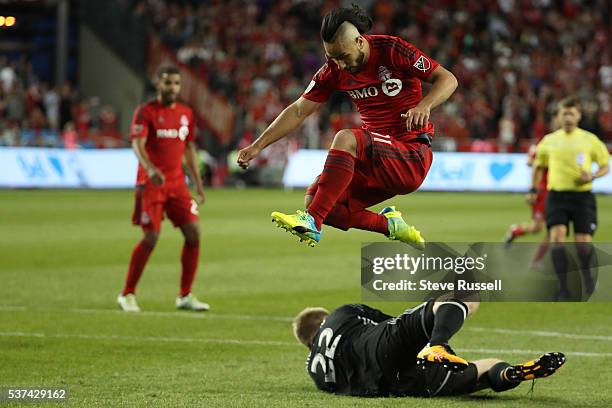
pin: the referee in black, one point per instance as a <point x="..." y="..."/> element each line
<point x="358" y="350"/>
<point x="569" y="154"/>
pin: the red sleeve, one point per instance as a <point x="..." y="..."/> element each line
<point x="140" y="124"/>
<point x="408" y="58"/>
<point x="323" y="84"/>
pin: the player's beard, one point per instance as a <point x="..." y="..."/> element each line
<point x="358" y="63"/>
<point x="168" y="98"/>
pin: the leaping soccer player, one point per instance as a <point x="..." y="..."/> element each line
<point x="389" y="155"/>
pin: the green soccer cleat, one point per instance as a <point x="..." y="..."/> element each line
<point x="301" y="224"/>
<point x="400" y="231"/>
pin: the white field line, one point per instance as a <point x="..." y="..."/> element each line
<point x="189" y="315"/>
<point x="160" y="339"/>
<point x="240" y="342"/>
<point x="540" y="333"/>
<point x="212" y="315"/>
<point x="531" y="352"/>
<point x="186" y="314"/>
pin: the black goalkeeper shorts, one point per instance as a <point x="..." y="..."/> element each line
<point x="399" y="341"/>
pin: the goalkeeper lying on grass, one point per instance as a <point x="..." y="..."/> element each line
<point x="358" y="350"/>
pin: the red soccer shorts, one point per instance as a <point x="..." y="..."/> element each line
<point x="151" y="201"/>
<point x="385" y="167"/>
<point x="538" y="209"/>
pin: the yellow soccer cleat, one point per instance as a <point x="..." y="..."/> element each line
<point x="301" y="224"/>
<point x="443" y="355"/>
<point x="400" y="231"/>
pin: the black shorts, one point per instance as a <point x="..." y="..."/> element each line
<point x="399" y="341"/>
<point x="580" y="208"/>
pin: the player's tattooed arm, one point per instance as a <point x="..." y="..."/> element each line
<point x="155" y="174"/>
<point x="286" y="122"/>
<point x="444" y="84"/>
<point x="193" y="168"/>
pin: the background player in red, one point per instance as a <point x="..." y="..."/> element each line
<point x="162" y="135"/>
<point x="537" y="200"/>
<point x="390" y="154"/>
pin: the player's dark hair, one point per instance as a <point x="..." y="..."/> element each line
<point x="334" y="19"/>
<point x="571" y="102"/>
<point x="167" y="70"/>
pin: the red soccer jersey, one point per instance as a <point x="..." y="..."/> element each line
<point x="543" y="186"/>
<point x="388" y="85"/>
<point x="167" y="130"/>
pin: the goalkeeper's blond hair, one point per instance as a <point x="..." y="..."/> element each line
<point x="307" y="322"/>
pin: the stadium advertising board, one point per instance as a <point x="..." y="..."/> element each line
<point x="115" y="168"/>
<point x="449" y="172"/>
<point x="60" y="168"/>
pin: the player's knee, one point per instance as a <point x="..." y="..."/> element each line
<point x="345" y="140"/>
<point x="191" y="232"/>
<point x="584" y="238"/>
<point x="558" y="233"/>
<point x="151" y="237"/>
<point x="472" y="307"/>
<point x="485" y="364"/>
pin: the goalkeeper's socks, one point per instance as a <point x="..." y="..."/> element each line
<point x="335" y="178"/>
<point x="448" y="319"/>
<point x="498" y="379"/>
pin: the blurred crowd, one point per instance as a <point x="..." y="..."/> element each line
<point x="514" y="60"/>
<point x="32" y="113"/>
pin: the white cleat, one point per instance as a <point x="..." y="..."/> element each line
<point x="128" y="303"/>
<point x="190" y="302"/>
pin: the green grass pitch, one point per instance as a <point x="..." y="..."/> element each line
<point x="63" y="257"/>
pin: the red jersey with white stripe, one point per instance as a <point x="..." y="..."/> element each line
<point x="167" y="129"/>
<point x="388" y="85"/>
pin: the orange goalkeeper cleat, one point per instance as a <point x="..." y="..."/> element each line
<point x="443" y="355"/>
<point x="543" y="366"/>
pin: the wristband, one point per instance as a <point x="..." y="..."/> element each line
<point x="533" y="190"/>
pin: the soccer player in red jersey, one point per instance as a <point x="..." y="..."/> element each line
<point x="537" y="200"/>
<point x="162" y="134"/>
<point x="537" y="203"/>
<point x="390" y="154"/>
